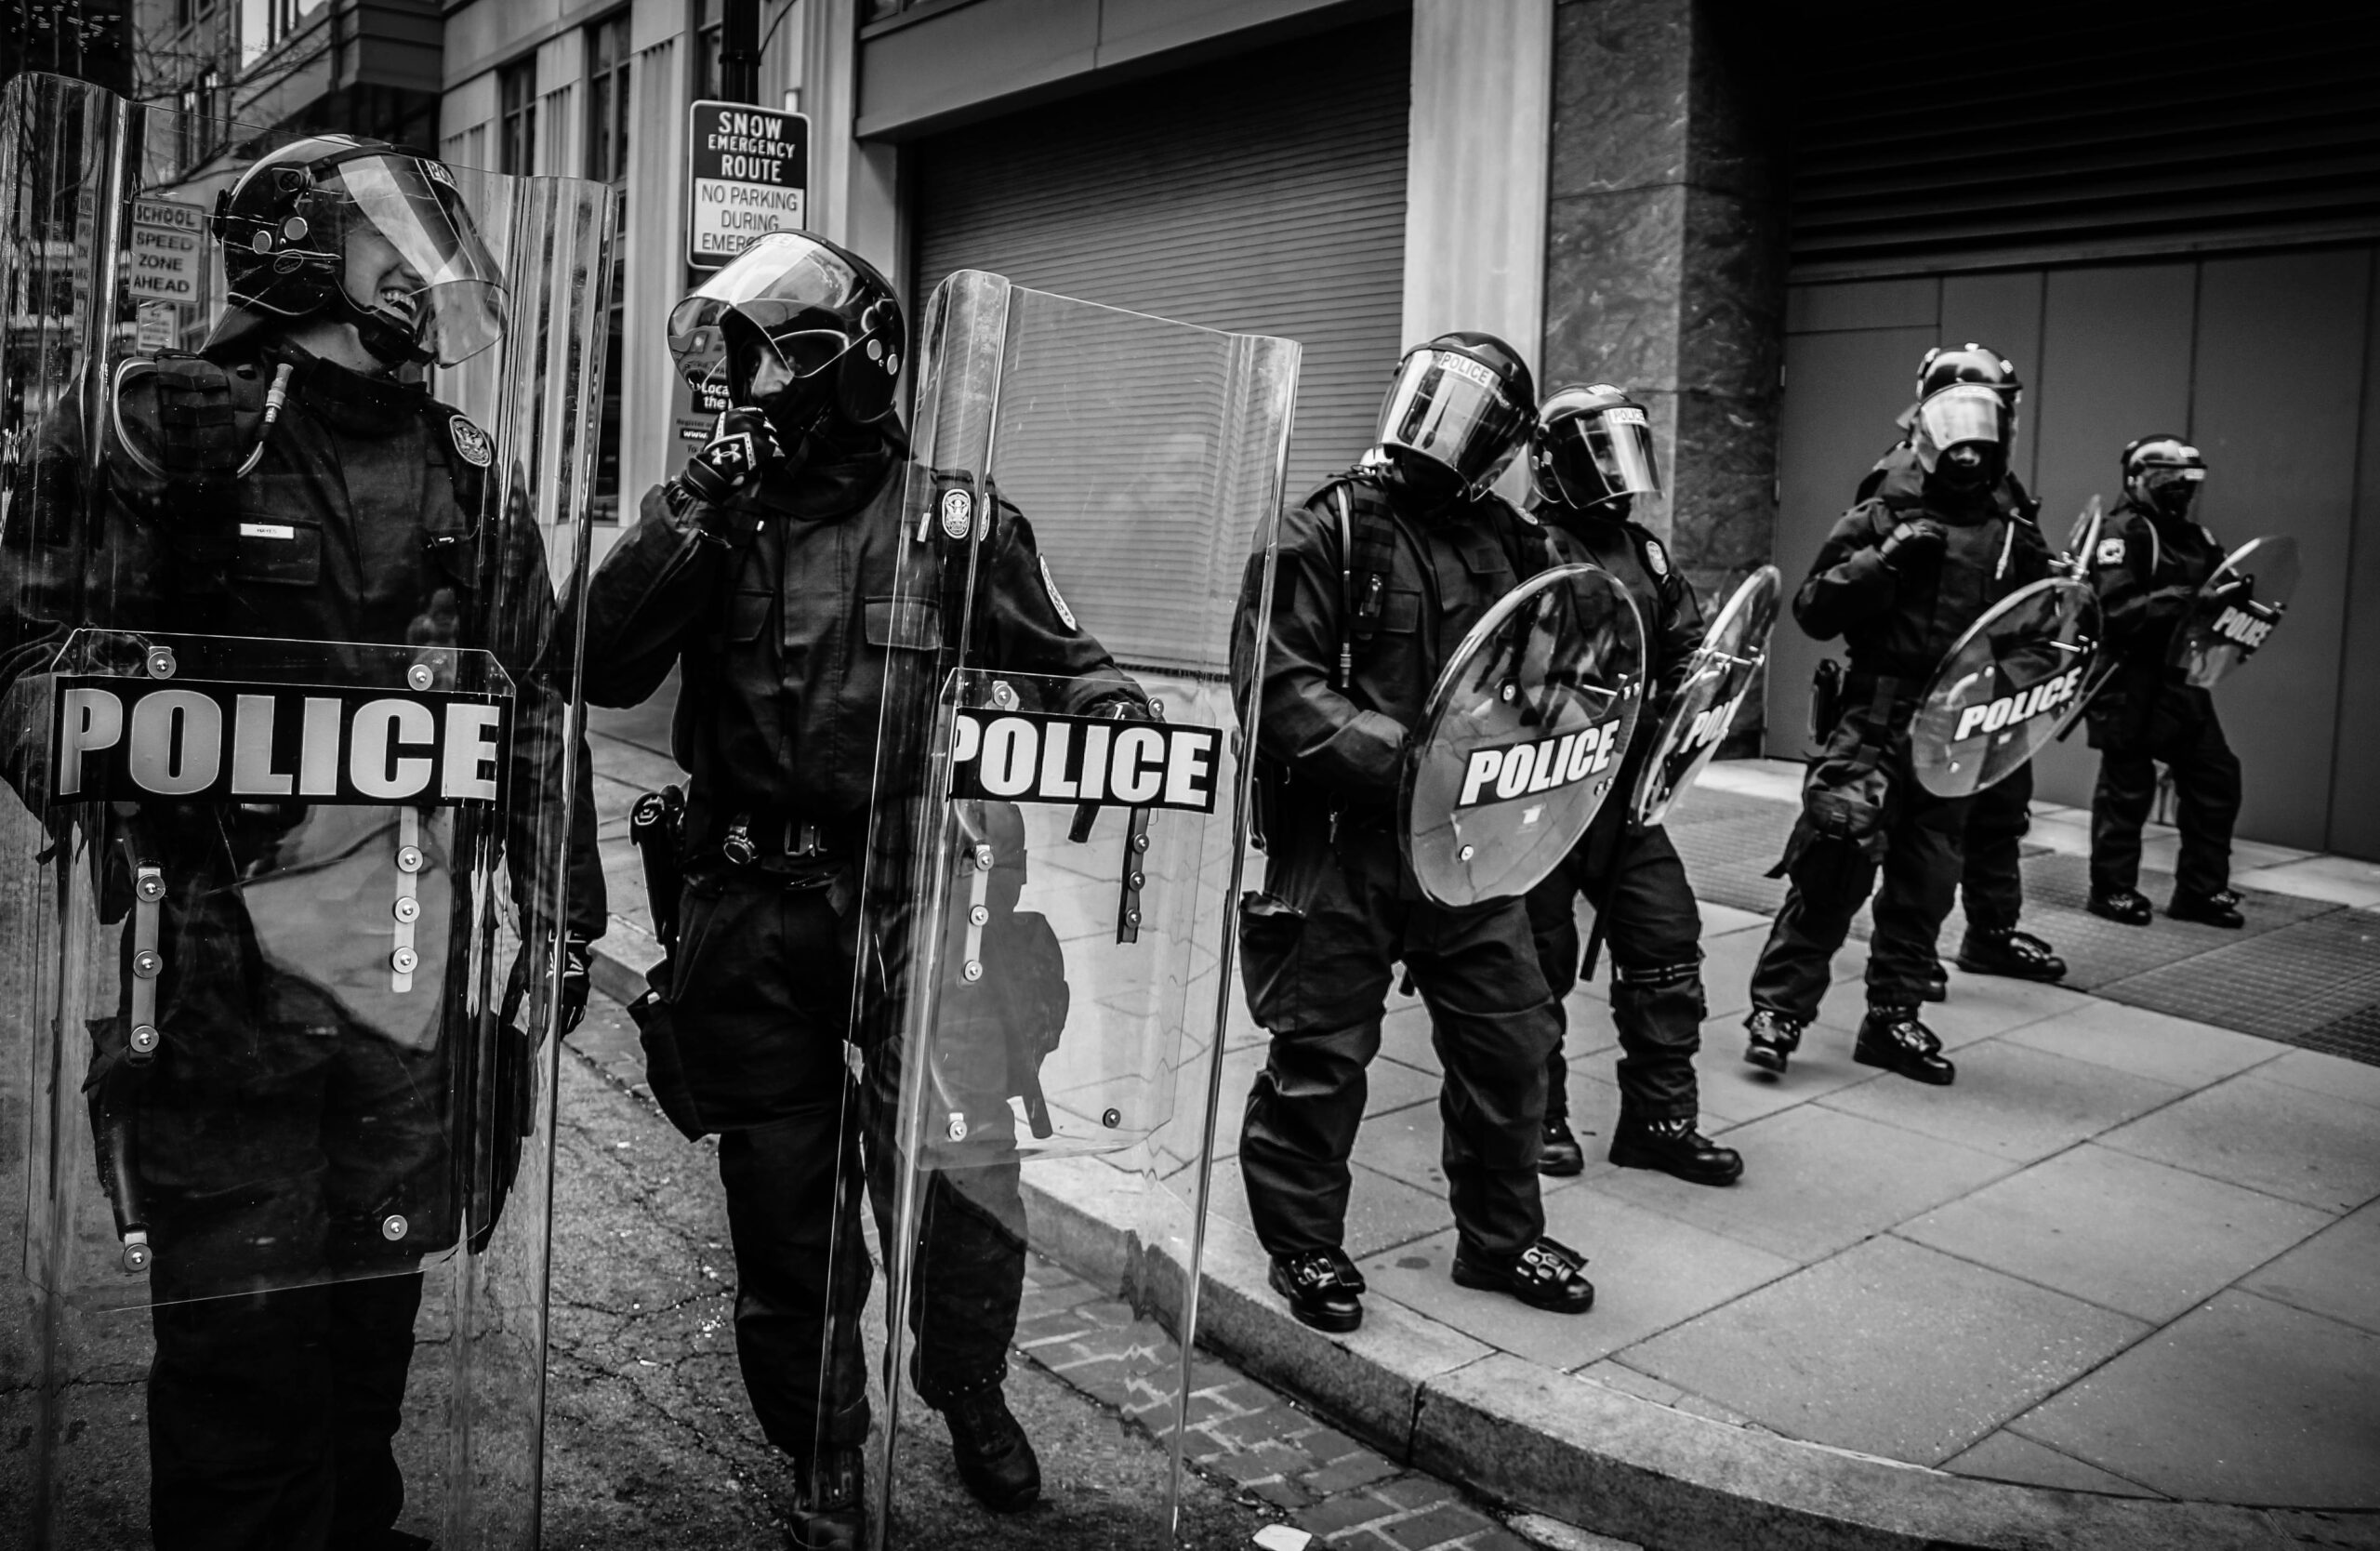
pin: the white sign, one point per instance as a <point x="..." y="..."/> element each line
<point x="748" y="174"/>
<point x="164" y="247"/>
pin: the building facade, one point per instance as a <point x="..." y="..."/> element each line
<point x="1757" y="218"/>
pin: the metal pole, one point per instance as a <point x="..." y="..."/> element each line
<point x="740" y="51"/>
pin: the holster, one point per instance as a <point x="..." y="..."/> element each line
<point x="1826" y="700"/>
<point x="658" y="830"/>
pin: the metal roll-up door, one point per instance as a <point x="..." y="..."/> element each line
<point x="2049" y="132"/>
<point x="1263" y="193"/>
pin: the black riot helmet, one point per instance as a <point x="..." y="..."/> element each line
<point x="2163" y="473"/>
<point x="1963" y="424"/>
<point x="366" y="232"/>
<point x="1591" y="445"/>
<point x="1462" y="406"/>
<point x="1979" y="364"/>
<point x="798" y="326"/>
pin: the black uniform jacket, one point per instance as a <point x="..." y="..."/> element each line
<point x="1448" y="565"/>
<point x="2148" y="569"/>
<point x="363" y="521"/>
<point x="1899" y="620"/>
<point x="778" y="608"/>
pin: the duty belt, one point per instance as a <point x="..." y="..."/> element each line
<point x="771" y="842"/>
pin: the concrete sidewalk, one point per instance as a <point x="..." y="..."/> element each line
<point x="2128" y="1267"/>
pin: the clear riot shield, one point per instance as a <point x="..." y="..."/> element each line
<point x="289" y="751"/>
<point x="1054" y="856"/>
<point x="2008" y="686"/>
<point x="1722" y="671"/>
<point x="2235" y="610"/>
<point x="1523" y="737"/>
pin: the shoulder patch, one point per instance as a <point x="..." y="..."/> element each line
<point x="1657" y="559"/>
<point x="2110" y="552"/>
<point x="959" y="515"/>
<point x="1057" y="601"/>
<point x="471" y="443"/>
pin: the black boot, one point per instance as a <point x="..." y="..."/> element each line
<point x="829" y="1508"/>
<point x="1561" y="1155"/>
<point x="2219" y="909"/>
<point x="995" y="1459"/>
<point x="1546" y="1276"/>
<point x="1774" y="1037"/>
<point x="1894" y="1038"/>
<point x="2019" y="955"/>
<point x="1938" y="983"/>
<point x="1323" y="1287"/>
<point x="2125" y="907"/>
<point x="1674" y="1147"/>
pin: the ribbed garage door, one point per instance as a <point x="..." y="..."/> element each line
<point x="1264" y="194"/>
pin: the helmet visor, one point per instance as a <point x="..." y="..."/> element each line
<point x="795" y="290"/>
<point x="436" y="275"/>
<point x="1451" y="409"/>
<point x="1618" y="442"/>
<point x="1966" y="412"/>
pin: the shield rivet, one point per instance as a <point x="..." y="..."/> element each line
<point x="137" y="1255"/>
<point x="145" y="1038"/>
<point x="151" y="886"/>
<point x="407" y="911"/>
<point x="1132" y="918"/>
<point x="983" y="857"/>
<point x="161" y="662"/>
<point x="1002" y="696"/>
<point x="1466" y="853"/>
<point x="1140" y="840"/>
<point x="1508" y="692"/>
<point x="147" y="964"/>
<point x="409" y="858"/>
<point x="393" y="1226"/>
<point x="978" y="914"/>
<point x="1112" y="1118"/>
<point x="404" y="960"/>
<point x="973" y="970"/>
<point x="420" y="676"/>
<point x="1137" y="882"/>
<point x="957" y="1130"/>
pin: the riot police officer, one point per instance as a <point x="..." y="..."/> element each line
<point x="2150" y="563"/>
<point x="1899" y="577"/>
<point x="1382" y="571"/>
<point x="1591" y="456"/>
<point x="1991" y="884"/>
<point x="292" y="1137"/>
<point x="765" y="571"/>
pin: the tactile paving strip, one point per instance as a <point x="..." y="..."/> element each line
<point x="2357" y="1036"/>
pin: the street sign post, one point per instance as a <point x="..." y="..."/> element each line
<point x="748" y="174"/>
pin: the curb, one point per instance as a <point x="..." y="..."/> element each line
<point x="1432" y="1398"/>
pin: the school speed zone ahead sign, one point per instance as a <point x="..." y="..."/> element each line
<point x="748" y="174"/>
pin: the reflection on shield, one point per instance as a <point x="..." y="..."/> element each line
<point x="2008" y="686"/>
<point x="2235" y="612"/>
<point x="264" y="936"/>
<point x="1523" y="737"/>
<point x="1722" y="671"/>
<point x="1053" y="860"/>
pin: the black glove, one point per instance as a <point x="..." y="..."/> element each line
<point x="741" y="445"/>
<point x="577" y="981"/>
<point x="1922" y="536"/>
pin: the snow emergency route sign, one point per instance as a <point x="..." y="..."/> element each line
<point x="748" y="174"/>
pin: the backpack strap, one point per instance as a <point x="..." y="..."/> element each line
<point x="1367" y="560"/>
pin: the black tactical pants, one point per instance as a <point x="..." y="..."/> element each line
<point x="2181" y="730"/>
<point x="1318" y="953"/>
<point x="1633" y="879"/>
<point x="1991" y="885"/>
<point x="1856" y="824"/>
<point x="760" y="1012"/>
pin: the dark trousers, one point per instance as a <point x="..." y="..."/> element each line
<point x="761" y="1010"/>
<point x="1638" y="887"/>
<point x="1991" y="885"/>
<point x="1912" y="839"/>
<point x="271" y="1416"/>
<point x="2181" y="730"/>
<point x="1318" y="956"/>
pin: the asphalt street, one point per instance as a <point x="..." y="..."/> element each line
<point x="650" y="1440"/>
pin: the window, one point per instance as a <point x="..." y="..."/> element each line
<point x="516" y="134"/>
<point x="607" y="162"/>
<point x="707" y="18"/>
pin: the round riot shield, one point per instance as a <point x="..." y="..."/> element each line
<point x="2082" y="538"/>
<point x="1523" y="737"/>
<point x="288" y="751"/>
<point x="1721" y="673"/>
<point x="2235" y="612"/>
<point x="2009" y="685"/>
